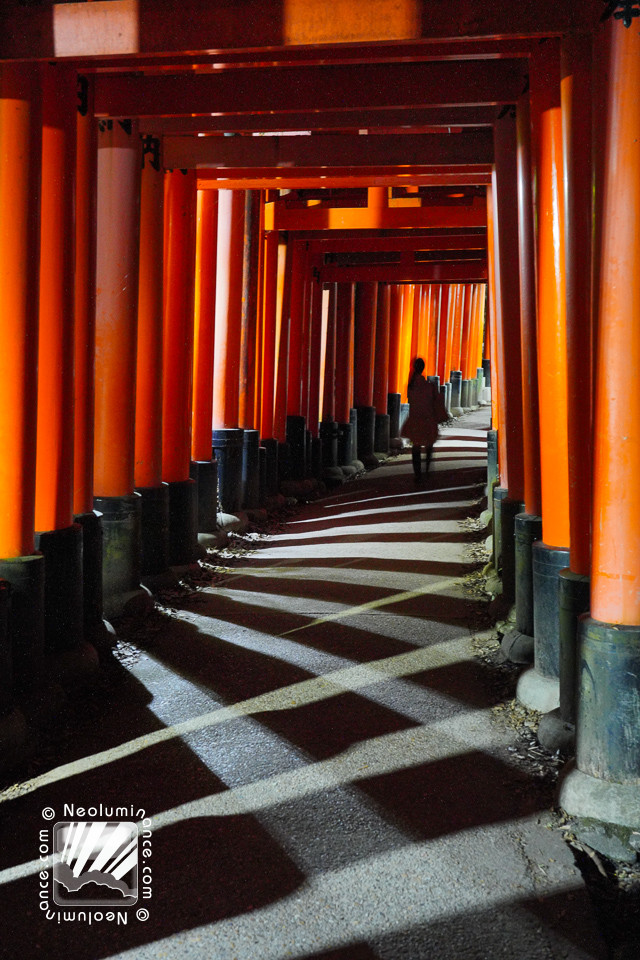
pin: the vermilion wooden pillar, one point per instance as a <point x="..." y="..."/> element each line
<point x="492" y="291"/>
<point x="269" y="330"/>
<point x="460" y="360"/>
<point x="366" y="306"/>
<point x="84" y="363"/>
<point x="604" y="784"/>
<point x="508" y="306"/>
<point x="297" y="306"/>
<point x="552" y="342"/>
<point x="576" y="133"/>
<point x="365" y="339"/>
<point x="329" y="391"/>
<point x="416" y="321"/>
<point x="395" y="328"/>
<point x="177" y="363"/>
<point x="118" y="222"/>
<point x="314" y="356"/>
<point x="204" y="323"/>
<point x="458" y="329"/>
<point x="539" y="688"/>
<point x="443" y="329"/>
<point x="249" y="314"/>
<point x="228" y="314"/>
<point x="20" y="134"/>
<point x="432" y="359"/>
<point x="453" y="312"/>
<point x="425" y="323"/>
<point x="345" y="319"/>
<point x="405" y="338"/>
<point x="285" y="256"/>
<point x="59" y="539"/>
<point x="381" y="370"/>
<point x="85" y="301"/>
<point x="204" y="468"/>
<point x="148" y="423"/>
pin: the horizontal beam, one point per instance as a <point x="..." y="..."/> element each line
<point x="432" y="117"/>
<point x="133" y="28"/>
<point x="355" y="244"/>
<point x="469" y="271"/>
<point x="305" y="88"/>
<point x="330" y="150"/>
<point x="249" y="178"/>
<point x="279" y="217"/>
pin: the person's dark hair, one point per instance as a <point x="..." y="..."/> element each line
<point x="418" y="367"/>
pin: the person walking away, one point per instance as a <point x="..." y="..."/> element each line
<point x="421" y="426"/>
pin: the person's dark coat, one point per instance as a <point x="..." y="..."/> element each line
<point x="421" y="426"/>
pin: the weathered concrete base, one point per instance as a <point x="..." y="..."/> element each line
<point x="517" y="647"/>
<point x="591" y="799"/>
<point x="536" y="692"/>
<point x="13" y="738"/>
<point x="157" y="582"/>
<point x="129" y="603"/>
<point x="554" y="733"/>
<point x="349" y="470"/>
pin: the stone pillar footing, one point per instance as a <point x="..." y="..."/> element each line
<point x="227" y="450"/>
<point x="366" y="436"/>
<point x="499" y="494"/>
<point x="536" y="692"/>
<point x="547" y="562"/>
<point x="574" y="596"/>
<point x="96" y="631"/>
<point x="297" y="440"/>
<point x="610" y="812"/>
<point x="154" y="529"/>
<point x="121" y="550"/>
<point x="517" y="647"/>
<point x="382" y="435"/>
<point x="183" y="522"/>
<point x="250" y="469"/>
<point x="508" y="510"/>
<point x="393" y="410"/>
<point x="555" y="734"/>
<point x="63" y="606"/>
<point x="518" y="643"/>
<point x="205" y="474"/>
<point x="25" y="625"/>
<point x="492" y="462"/>
<point x="271" y="447"/>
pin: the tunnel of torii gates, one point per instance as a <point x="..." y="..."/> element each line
<point x="223" y="239"/>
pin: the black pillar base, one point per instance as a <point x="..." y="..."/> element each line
<point x="307" y="440"/>
<point x="366" y="437"/>
<point x="329" y="436"/>
<point x="608" y="744"/>
<point x="271" y="467"/>
<point x="95" y="630"/>
<point x="499" y="494"/>
<point x="297" y="440"/>
<point x="508" y="511"/>
<point x="393" y="409"/>
<point x="345" y="445"/>
<point x="26" y="619"/>
<point x="63" y="603"/>
<point x="547" y="564"/>
<point x="464" y="396"/>
<point x="250" y="469"/>
<point x="456" y="390"/>
<point x="121" y="551"/>
<point x="227" y="450"/>
<point x="517" y="643"/>
<point x="205" y="474"/>
<point x="183" y="522"/>
<point x="492" y="462"/>
<point x="316" y="458"/>
<point x="382" y="434"/>
<point x="404" y="413"/>
<point x="154" y="529"/>
<point x="353" y="420"/>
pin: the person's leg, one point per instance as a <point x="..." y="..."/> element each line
<point x="416" y="450"/>
<point x="428" y="458"/>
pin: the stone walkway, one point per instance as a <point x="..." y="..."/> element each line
<point x="312" y="738"/>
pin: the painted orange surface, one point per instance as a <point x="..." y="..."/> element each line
<point x="54" y="460"/>
<point x="148" y="442"/>
<point x="177" y="362"/>
<point x="19" y="200"/>
<point x="118" y="222"/>
<point x="615" y="571"/>
<point x="226" y="363"/>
